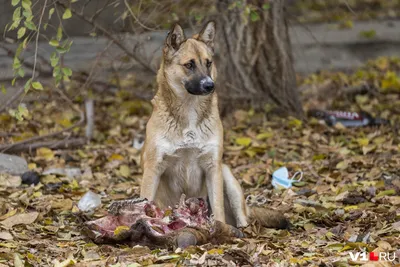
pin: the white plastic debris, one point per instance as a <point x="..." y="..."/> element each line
<point x="138" y="142"/>
<point x="89" y="202"/>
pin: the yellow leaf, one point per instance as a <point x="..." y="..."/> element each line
<point x="32" y="166"/>
<point x="362" y="141"/>
<point x="250" y="153"/>
<point x="352" y="207"/>
<point x="124" y="171"/>
<point x="263" y="136"/>
<point x="387" y="193"/>
<point x="219" y="251"/>
<point x="74" y="184"/>
<point x="390" y="82"/>
<point x="121" y="229"/>
<point x="243" y="141"/>
<point x="295" y="123"/>
<point x="116" y="157"/>
<point x="82" y="154"/>
<point x="8" y="214"/>
<point x="45" y="153"/>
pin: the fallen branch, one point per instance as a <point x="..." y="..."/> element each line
<point x="55" y="144"/>
<point x="8" y="147"/>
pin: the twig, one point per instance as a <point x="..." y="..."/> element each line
<point x="37" y="40"/>
<point x="57" y="144"/>
<point x="12" y="99"/>
<point x="26" y="64"/>
<point x="136" y="18"/>
<point x="109" y="36"/>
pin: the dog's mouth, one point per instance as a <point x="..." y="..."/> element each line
<point x="199" y="92"/>
<point x="203" y="86"/>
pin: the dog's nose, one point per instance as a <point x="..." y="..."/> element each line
<point x="208" y="84"/>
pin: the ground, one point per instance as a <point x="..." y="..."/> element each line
<point x="348" y="199"/>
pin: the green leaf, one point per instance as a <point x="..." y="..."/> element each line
<point x="28" y="85"/>
<point x="28" y="15"/>
<point x="37" y="85"/>
<point x="67" y="14"/>
<point x="30" y="25"/>
<point x="61" y="50"/>
<point x="16" y="63"/>
<point x="21" y="32"/>
<point x="14" y="25"/>
<point x="54" y="59"/>
<point x="67" y="71"/>
<point x="59" y="33"/>
<point x="19" y="50"/>
<point x="21" y="72"/>
<point x="266" y="6"/>
<point x="15" y="2"/>
<point x="254" y="16"/>
<point x="23" y="111"/>
<point x="24" y="43"/>
<point x="54" y="42"/>
<point x="26" y="4"/>
<point x="16" y="14"/>
<point x="387" y="193"/>
<point x="51" y="12"/>
<point x="3" y="89"/>
<point x="13" y="81"/>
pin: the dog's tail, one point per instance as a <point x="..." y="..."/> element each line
<point x="267" y="218"/>
<point x="244" y="214"/>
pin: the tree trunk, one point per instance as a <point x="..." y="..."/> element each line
<point x="254" y="56"/>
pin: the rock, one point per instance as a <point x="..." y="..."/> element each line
<point x="12" y="164"/>
<point x="30" y="177"/>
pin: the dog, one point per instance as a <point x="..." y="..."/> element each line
<point x="182" y="151"/>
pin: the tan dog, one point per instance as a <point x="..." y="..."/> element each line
<point x="182" y="153"/>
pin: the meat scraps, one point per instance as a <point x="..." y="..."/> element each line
<point x="139" y="221"/>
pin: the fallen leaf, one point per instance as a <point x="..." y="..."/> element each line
<point x="45" y="153"/>
<point x="6" y="236"/>
<point x="7" y="180"/>
<point x="243" y="141"/>
<point x="124" y="171"/>
<point x="23" y="218"/>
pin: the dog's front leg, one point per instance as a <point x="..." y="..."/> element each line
<point x="151" y="179"/>
<point x="215" y="190"/>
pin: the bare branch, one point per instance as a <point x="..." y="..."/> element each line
<point x="37" y="39"/>
<point x="136" y="18"/>
<point x="111" y="37"/>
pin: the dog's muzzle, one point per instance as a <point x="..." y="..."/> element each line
<point x="203" y="86"/>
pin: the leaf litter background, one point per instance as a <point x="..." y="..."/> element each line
<point x="348" y="199"/>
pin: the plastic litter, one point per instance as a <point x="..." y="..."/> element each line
<point x="138" y="142"/>
<point x="347" y="118"/>
<point x="280" y="178"/>
<point x="89" y="202"/>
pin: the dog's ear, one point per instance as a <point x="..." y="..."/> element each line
<point x="207" y="34"/>
<point x="175" y="37"/>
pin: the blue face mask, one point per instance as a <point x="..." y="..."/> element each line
<point x="280" y="178"/>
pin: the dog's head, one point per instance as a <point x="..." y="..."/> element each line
<point x="188" y="63"/>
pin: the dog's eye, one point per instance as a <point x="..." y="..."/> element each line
<point x="189" y="65"/>
<point x="208" y="64"/>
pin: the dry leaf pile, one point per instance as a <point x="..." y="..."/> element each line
<point x="347" y="200"/>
